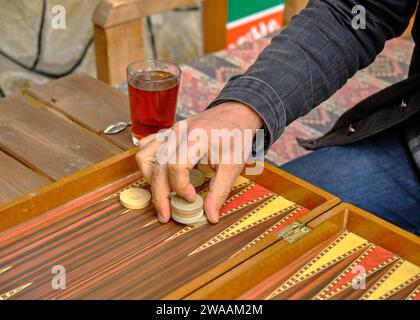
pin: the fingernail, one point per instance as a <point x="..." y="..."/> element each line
<point x="213" y="216"/>
<point x="161" y="218"/>
<point x="214" y="219"/>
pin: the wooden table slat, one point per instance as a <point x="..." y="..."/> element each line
<point x="89" y="102"/>
<point x="48" y="142"/>
<point x="16" y="179"/>
<point x="122" y="139"/>
<point x="85" y="100"/>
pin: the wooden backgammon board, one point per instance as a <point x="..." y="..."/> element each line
<point x="327" y="272"/>
<point x="273" y="226"/>
<point x="346" y="245"/>
<point x="110" y="252"/>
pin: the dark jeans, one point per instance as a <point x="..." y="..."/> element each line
<point x="376" y="174"/>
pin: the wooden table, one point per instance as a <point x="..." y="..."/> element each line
<point x="54" y="130"/>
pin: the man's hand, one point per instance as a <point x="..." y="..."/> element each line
<point x="175" y="175"/>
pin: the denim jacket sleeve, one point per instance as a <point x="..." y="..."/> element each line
<point x="313" y="57"/>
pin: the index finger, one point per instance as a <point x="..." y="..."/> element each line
<point x="160" y="192"/>
<point x="219" y="190"/>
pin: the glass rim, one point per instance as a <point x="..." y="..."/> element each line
<point x="156" y="60"/>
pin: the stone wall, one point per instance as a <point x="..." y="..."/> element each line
<point x="31" y="51"/>
<point x="178" y="35"/>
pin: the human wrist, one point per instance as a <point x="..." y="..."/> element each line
<point x="244" y="116"/>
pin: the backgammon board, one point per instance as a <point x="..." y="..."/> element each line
<point x="350" y="255"/>
<point x="329" y="272"/>
<point x="110" y="252"/>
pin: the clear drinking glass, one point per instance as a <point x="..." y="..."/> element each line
<point x="153" y="87"/>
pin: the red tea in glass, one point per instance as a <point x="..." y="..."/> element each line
<point x="153" y="92"/>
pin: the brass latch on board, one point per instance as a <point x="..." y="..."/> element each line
<point x="293" y="232"/>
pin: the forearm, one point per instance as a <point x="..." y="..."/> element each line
<point x="313" y="57"/>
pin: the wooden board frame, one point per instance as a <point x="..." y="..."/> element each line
<point x="345" y="216"/>
<point x="67" y="189"/>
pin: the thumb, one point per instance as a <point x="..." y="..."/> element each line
<point x="219" y="190"/>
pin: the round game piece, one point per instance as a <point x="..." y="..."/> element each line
<point x="185" y="208"/>
<point x="187" y="212"/>
<point x="135" y="198"/>
<point x="194" y="220"/>
<point x="206" y="169"/>
<point x="197" y="178"/>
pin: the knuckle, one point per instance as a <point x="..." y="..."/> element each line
<point x="176" y="125"/>
<point x="156" y="205"/>
<point x="157" y="199"/>
<point x="142" y="157"/>
<point x="224" y="194"/>
<point x="176" y="169"/>
<point x="157" y="170"/>
<point x="147" y="170"/>
<point x="142" y="144"/>
<point x="139" y="157"/>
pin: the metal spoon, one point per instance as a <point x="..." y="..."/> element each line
<point x="116" y="127"/>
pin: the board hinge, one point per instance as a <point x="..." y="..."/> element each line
<point x="293" y="232"/>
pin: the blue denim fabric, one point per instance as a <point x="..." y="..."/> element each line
<point x="377" y="174"/>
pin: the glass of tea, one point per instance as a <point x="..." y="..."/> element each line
<point x="153" y="92"/>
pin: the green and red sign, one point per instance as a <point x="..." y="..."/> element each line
<point x="252" y="19"/>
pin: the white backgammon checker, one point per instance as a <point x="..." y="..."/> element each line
<point x="188" y="212"/>
<point x="135" y="198"/>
